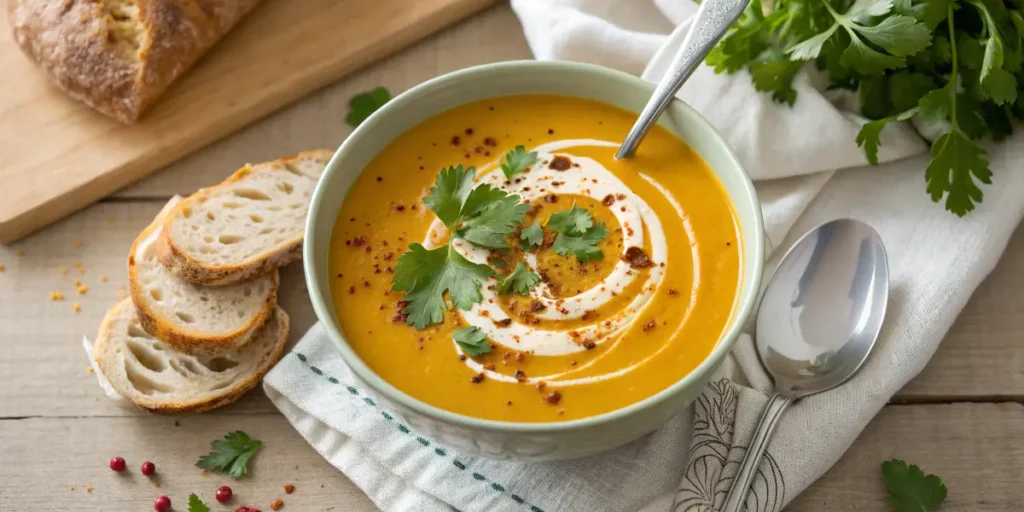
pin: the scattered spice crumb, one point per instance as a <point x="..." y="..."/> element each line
<point x="77" y="308"/>
<point x="78" y="243"/>
<point x="81" y="270"/>
<point x="88" y="488"/>
<point x="56" y="296"/>
<point x="77" y="264"/>
<point x="63" y="270"/>
<point x="1" y="267"/>
<point x="277" y="504"/>
<point x="205" y="474"/>
<point x="289" y="488"/>
<point x="89" y="369"/>
<point x="103" y="278"/>
<point x="71" y="488"/>
<point x="82" y="290"/>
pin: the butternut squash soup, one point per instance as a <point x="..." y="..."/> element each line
<point x="497" y="261"/>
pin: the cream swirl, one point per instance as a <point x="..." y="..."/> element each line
<point x="585" y="177"/>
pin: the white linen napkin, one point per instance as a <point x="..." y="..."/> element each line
<point x="807" y="170"/>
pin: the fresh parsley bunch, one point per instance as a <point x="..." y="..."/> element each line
<point x="956" y="64"/>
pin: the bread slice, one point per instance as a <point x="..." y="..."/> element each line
<point x="249" y="224"/>
<point x="197" y="320"/>
<point x="154" y="376"/>
<point x="118" y="56"/>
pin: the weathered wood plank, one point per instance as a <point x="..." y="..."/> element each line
<point x="319" y="120"/>
<point x="976" y="449"/>
<point x="44" y="458"/>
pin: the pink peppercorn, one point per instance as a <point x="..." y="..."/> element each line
<point x="117" y="464"/>
<point x="223" y="493"/>
<point x="162" y="504"/>
<point x="148" y="468"/>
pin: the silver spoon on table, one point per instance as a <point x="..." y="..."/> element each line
<point x="818" y="320"/>
<point x="713" y="18"/>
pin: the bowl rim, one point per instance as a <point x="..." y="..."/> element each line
<point x="324" y="312"/>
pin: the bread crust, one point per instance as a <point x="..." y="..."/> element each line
<point x="185" y="340"/>
<point x="230" y="394"/>
<point x="186" y="268"/>
<point x="119" y="56"/>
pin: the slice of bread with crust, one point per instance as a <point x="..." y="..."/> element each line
<point x="155" y="377"/>
<point x="248" y="225"/>
<point x="194" y="319"/>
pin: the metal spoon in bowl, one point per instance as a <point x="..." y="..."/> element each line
<point x="713" y="18"/>
<point x="818" y="320"/>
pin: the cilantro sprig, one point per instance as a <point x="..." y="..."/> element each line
<point x="517" y="161"/>
<point x="578" y="235"/>
<point x="957" y="64"/>
<point x="195" y="504"/>
<point x="231" y="454"/>
<point x="479" y="214"/>
<point x="519" y="281"/>
<point x="362" y="105"/>
<point x="910" y="490"/>
<point x="472" y="341"/>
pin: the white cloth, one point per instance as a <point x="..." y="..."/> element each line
<point x="808" y="170"/>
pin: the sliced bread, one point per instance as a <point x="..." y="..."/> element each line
<point x="249" y="224"/>
<point x="154" y="376"/>
<point x="197" y="320"/>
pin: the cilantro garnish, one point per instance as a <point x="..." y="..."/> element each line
<point x="517" y="161"/>
<point x="196" y="505"/>
<point x="955" y="63"/>
<point x="231" y="454"/>
<point x="519" y="281"/>
<point x="362" y="105"/>
<point x="577" y="234"/>
<point x="482" y="215"/>
<point x="532" y="236"/>
<point x="910" y="490"/>
<point x="472" y="341"/>
<point x="425" y="275"/>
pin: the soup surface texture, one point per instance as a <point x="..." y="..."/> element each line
<point x="624" y="272"/>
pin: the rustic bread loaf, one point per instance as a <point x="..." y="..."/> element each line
<point x="194" y="319"/>
<point x="118" y="56"/>
<point x="154" y="376"/>
<point x="248" y="225"/>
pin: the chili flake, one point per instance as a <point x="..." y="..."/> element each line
<point x="477" y="379"/>
<point x="553" y="398"/>
<point x="637" y="258"/>
<point x="560" y="163"/>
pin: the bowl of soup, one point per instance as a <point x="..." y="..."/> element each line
<point x="500" y="284"/>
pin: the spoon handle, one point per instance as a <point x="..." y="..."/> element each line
<point x="737" y="496"/>
<point x="709" y="25"/>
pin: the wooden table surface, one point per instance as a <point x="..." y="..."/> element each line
<point x="962" y="418"/>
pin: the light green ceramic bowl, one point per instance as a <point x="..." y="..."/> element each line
<point x="528" y="441"/>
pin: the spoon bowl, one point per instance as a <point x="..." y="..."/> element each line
<point x="823" y="309"/>
<point x="819" y="319"/>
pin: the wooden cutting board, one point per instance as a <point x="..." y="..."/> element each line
<point x="57" y="156"/>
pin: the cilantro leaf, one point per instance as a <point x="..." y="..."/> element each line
<point x="361" y="106"/>
<point x="773" y="72"/>
<point x="425" y="275"/>
<point x="472" y="341"/>
<point x="452" y="187"/>
<point x="936" y="106"/>
<point x="810" y="48"/>
<point x="956" y="163"/>
<point x="584" y="246"/>
<point x="869" y="136"/>
<point x="519" y="281"/>
<point x="899" y="35"/>
<point x="495" y="222"/>
<point x="574" y="221"/>
<point x="532" y="236"/>
<point x="910" y="490"/>
<point x="866" y="60"/>
<point x="231" y="454"/>
<point x="196" y="505"/>
<point x="517" y="161"/>
<point x="998" y="83"/>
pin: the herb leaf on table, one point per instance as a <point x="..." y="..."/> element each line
<point x="196" y="505"/>
<point x="910" y="490"/>
<point x="362" y="105"/>
<point x="231" y="454"/>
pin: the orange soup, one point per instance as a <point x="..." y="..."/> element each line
<point x="497" y="261"/>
